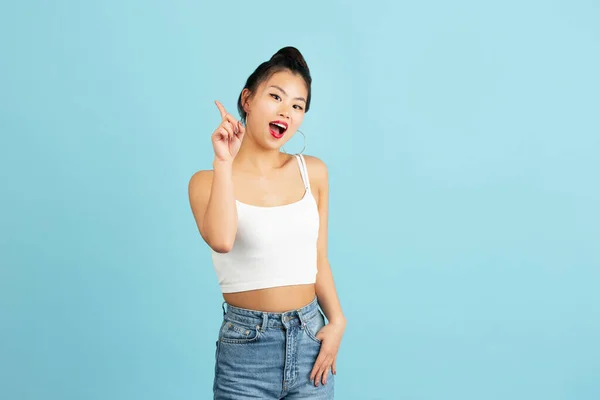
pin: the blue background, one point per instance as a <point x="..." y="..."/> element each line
<point x="462" y="141"/>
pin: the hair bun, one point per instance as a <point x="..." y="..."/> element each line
<point x="290" y="53"/>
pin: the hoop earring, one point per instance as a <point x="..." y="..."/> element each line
<point x="304" y="136"/>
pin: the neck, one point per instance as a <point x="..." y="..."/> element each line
<point x="252" y="157"/>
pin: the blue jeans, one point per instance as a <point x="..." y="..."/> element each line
<point x="266" y="355"/>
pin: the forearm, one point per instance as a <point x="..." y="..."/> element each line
<point x="327" y="294"/>
<point x="220" y="218"/>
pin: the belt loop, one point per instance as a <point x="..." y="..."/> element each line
<point x="223" y="307"/>
<point x="301" y="318"/>
<point x="265" y="322"/>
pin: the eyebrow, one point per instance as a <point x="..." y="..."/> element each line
<point x="283" y="91"/>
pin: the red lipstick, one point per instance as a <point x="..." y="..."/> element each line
<point x="278" y="128"/>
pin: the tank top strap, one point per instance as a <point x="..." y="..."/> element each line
<point x="303" y="171"/>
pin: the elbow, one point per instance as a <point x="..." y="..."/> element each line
<point x="222" y="247"/>
<point x="222" y="244"/>
<point x="221" y="241"/>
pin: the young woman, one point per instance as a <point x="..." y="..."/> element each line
<point x="263" y="213"/>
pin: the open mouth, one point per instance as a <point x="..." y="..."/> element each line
<point x="278" y="128"/>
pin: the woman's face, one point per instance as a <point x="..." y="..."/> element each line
<point x="276" y="110"/>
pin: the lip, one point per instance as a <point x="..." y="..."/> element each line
<point x="280" y="123"/>
<point x="275" y="134"/>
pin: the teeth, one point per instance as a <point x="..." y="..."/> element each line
<point x="281" y="126"/>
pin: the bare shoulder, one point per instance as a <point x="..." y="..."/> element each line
<point x="317" y="169"/>
<point x="200" y="183"/>
<point x="199" y="189"/>
<point x="202" y="176"/>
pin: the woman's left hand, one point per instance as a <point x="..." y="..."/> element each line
<point x="331" y="337"/>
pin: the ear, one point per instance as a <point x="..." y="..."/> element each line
<point x="246" y="99"/>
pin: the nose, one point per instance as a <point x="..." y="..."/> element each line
<point x="283" y="111"/>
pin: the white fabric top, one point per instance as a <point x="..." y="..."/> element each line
<point x="274" y="246"/>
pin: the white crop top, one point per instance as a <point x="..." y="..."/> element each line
<point x="274" y="246"/>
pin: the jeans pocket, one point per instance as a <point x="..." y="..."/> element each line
<point x="313" y="326"/>
<point x="235" y="333"/>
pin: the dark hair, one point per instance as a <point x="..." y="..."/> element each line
<point x="287" y="58"/>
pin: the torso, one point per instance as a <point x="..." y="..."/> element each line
<point x="275" y="299"/>
<point x="284" y="188"/>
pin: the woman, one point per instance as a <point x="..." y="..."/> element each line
<point x="263" y="213"/>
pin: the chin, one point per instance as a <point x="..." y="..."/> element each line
<point x="275" y="144"/>
<point x="269" y="145"/>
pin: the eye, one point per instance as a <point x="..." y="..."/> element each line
<point x="273" y="95"/>
<point x="299" y="107"/>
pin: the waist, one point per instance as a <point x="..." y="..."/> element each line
<point x="273" y="299"/>
<point x="252" y="317"/>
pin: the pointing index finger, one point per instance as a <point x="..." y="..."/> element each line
<point x="221" y="109"/>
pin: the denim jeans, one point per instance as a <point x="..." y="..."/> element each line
<point x="266" y="355"/>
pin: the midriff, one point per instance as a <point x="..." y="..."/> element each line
<point x="275" y="299"/>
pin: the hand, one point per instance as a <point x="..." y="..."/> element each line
<point x="227" y="138"/>
<point x="331" y="337"/>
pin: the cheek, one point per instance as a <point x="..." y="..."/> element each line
<point x="266" y="105"/>
<point x="298" y="119"/>
<point x="259" y="113"/>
